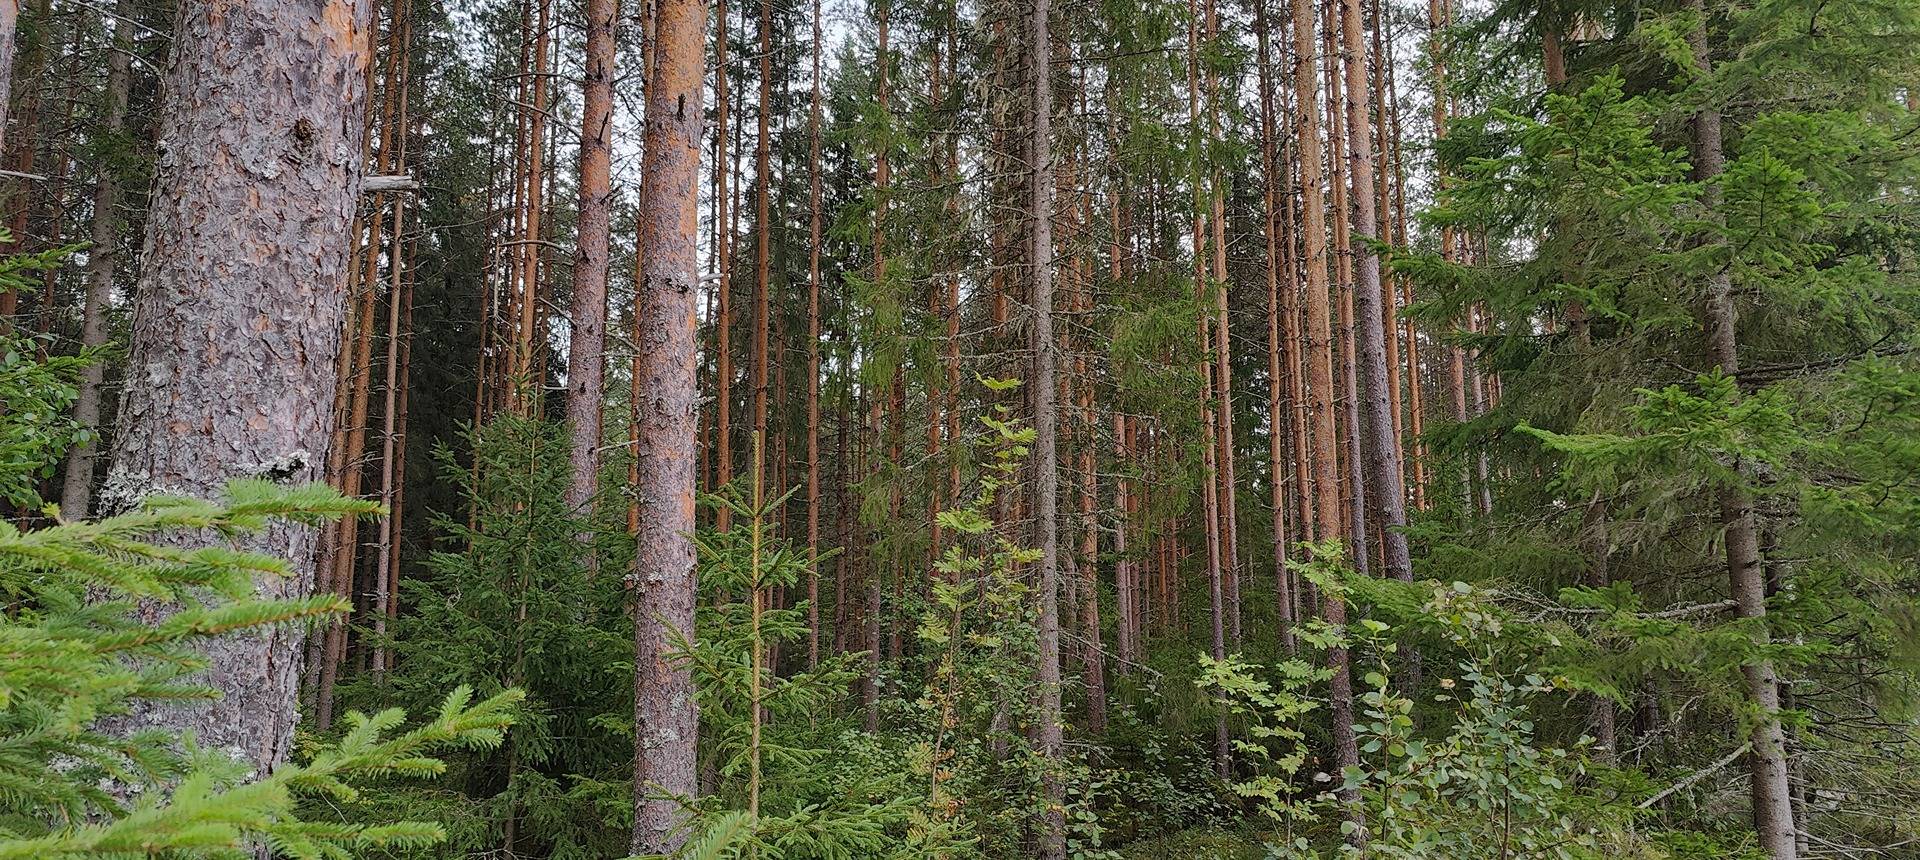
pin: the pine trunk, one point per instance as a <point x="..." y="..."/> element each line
<point x="586" y="349"/>
<point x="663" y="577"/>
<point x="234" y="375"/>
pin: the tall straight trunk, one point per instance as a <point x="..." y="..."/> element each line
<point x="1319" y="383"/>
<point x="397" y="296"/>
<point x="1386" y="496"/>
<point x="1352" y="476"/>
<point x="813" y="353"/>
<point x="9" y="29"/>
<point x="1773" y="819"/>
<point x="526" y="388"/>
<point x="1093" y="656"/>
<point x="587" y="347"/>
<point x="1223" y="363"/>
<point x="1046" y="442"/>
<point x="663" y="577"/>
<point x="723" y="263"/>
<point x="762" y="226"/>
<point x="1276" y="382"/>
<point x="76" y="492"/>
<point x="237" y="376"/>
<point x="1210" y="456"/>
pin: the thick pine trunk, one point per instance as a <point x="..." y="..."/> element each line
<point x="586" y="350"/>
<point x="663" y="577"/>
<point x="239" y="310"/>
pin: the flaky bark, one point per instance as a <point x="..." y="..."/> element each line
<point x="238" y="312"/>
<point x="663" y="577"/>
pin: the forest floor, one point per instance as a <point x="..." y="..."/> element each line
<point x="1200" y="843"/>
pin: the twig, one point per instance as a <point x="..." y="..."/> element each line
<point x="1696" y="776"/>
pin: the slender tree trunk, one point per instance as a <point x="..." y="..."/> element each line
<point x="663" y="578"/>
<point x="236" y="373"/>
<point x="762" y="227"/>
<point x="397" y="296"/>
<point x="9" y="28"/>
<point x="1276" y="382"/>
<point x="723" y="262"/>
<point x="813" y="353"/>
<point x="1386" y="496"/>
<point x="76" y="493"/>
<point x="586" y="350"/>
<point x="1046" y="440"/>
<point x="1319" y="383"/>
<point x="1772" y="789"/>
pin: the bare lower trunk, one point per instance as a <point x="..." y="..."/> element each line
<point x="663" y="577"/>
<point x="238" y="312"/>
<point x="1385" y="494"/>
<point x="1047" y="457"/>
<point x="586" y="351"/>
<point x="76" y="493"/>
<point x="1319" y="383"/>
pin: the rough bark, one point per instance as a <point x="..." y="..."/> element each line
<point x="663" y="577"/>
<point x="1052" y="833"/>
<point x="76" y="491"/>
<point x="1276" y="381"/>
<point x="1773" y="819"/>
<point x="586" y="349"/>
<point x="238" y="311"/>
<point x="1386" y="495"/>
<point x="9" y="28"/>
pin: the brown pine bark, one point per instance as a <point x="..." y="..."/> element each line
<point x="813" y="354"/>
<point x="586" y="349"/>
<point x="235" y="373"/>
<point x="76" y="492"/>
<point x="1771" y="786"/>
<point x="665" y="353"/>
<point x="1052" y="835"/>
<point x="1385" y="494"/>
<point x="1320" y="385"/>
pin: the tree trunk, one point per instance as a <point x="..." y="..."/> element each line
<point x="813" y="354"/>
<point x="723" y="263"/>
<point x="663" y="577"/>
<point x="76" y="493"/>
<point x="1386" y="496"/>
<point x="586" y="350"/>
<point x="1046" y="438"/>
<point x="1276" y="382"/>
<point x="1319" y="382"/>
<point x="1773" y="818"/>
<point x="239" y="310"/>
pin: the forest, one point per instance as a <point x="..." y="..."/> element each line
<point x="959" y="429"/>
